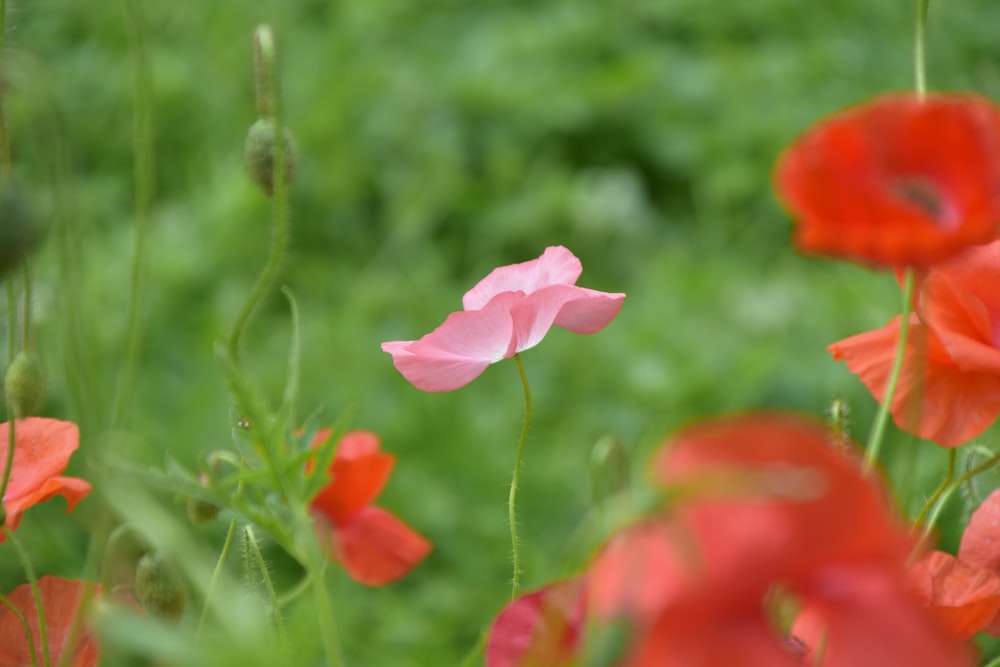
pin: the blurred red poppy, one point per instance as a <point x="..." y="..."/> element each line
<point x="964" y="591"/>
<point x="374" y="546"/>
<point x="539" y="629"/>
<point x="949" y="390"/>
<point x="61" y="600"/>
<point x="780" y="514"/>
<point x="901" y="180"/>
<point x="41" y="452"/>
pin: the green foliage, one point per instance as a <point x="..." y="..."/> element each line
<point x="438" y="140"/>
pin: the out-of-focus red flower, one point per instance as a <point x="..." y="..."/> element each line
<point x="780" y="512"/>
<point x="964" y="591"/>
<point x="949" y="390"/>
<point x="373" y="545"/>
<point x="61" y="600"/>
<point x="41" y="453"/>
<point x="539" y="629"/>
<point x="508" y="311"/>
<point x="900" y="180"/>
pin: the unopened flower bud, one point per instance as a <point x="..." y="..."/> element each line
<point x="20" y="229"/>
<point x="158" y="587"/>
<point x="201" y="511"/>
<point x="25" y="384"/>
<point x="259" y="154"/>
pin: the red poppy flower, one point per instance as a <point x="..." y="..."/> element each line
<point x="539" y="629"/>
<point x="949" y="390"/>
<point x="508" y="311"/>
<point x="769" y="508"/>
<point x="899" y="180"/>
<point x="42" y="450"/>
<point x="964" y="591"/>
<point x="374" y="546"/>
<point x="61" y="600"/>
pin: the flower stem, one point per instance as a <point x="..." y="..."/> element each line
<point x="265" y="577"/>
<point x="27" y="628"/>
<point x="946" y="495"/>
<point x="940" y="490"/>
<point x="511" y="511"/>
<point x="226" y="546"/>
<point x="878" y="428"/>
<point x="143" y="177"/>
<point x="269" y="87"/>
<point x="11" y="436"/>
<point x="328" y="628"/>
<point x="919" y="48"/>
<point x="36" y="592"/>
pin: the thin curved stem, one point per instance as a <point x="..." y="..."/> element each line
<point x="877" y="433"/>
<point x="265" y="577"/>
<point x="216" y="573"/>
<point x="268" y="80"/>
<point x="29" y="571"/>
<point x="940" y="490"/>
<point x="11" y="351"/>
<point x="331" y="644"/>
<point x="143" y="177"/>
<point x="919" y="48"/>
<point x="27" y="628"/>
<point x="511" y="500"/>
<point x="962" y="479"/>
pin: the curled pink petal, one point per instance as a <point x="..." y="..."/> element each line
<point x="458" y="351"/>
<point x="575" y="308"/>
<point x="556" y="266"/>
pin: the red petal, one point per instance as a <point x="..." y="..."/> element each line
<point x="61" y="600"/>
<point x="981" y="541"/>
<point x="539" y="629"/>
<point x="359" y="471"/>
<point x="965" y="597"/>
<point x="43" y="449"/>
<point x="376" y="548"/>
<point x="934" y="399"/>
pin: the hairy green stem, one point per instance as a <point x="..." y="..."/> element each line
<point x="265" y="576"/>
<point x="919" y="48"/>
<point x="331" y="644"/>
<point x="267" y="79"/>
<point x="143" y="176"/>
<point x="877" y="433"/>
<point x="11" y="441"/>
<point x="27" y="628"/>
<point x="962" y="479"/>
<point x="511" y="500"/>
<point x="216" y="573"/>
<point x="36" y="592"/>
<point x="940" y="490"/>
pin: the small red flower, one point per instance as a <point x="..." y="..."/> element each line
<point x="61" y="600"/>
<point x="964" y="591"/>
<point x="539" y="629"/>
<point x="899" y="180"/>
<point x="42" y="451"/>
<point x="507" y="312"/>
<point x="768" y="508"/>
<point x="949" y="390"/>
<point x="374" y="546"/>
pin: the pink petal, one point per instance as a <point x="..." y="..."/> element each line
<point x="556" y="266"/>
<point x="965" y="597"/>
<point x="981" y="540"/>
<point x="458" y="351"/>
<point x="575" y="308"/>
<point x="539" y="628"/>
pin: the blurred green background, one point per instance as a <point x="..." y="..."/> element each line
<point x="440" y="139"/>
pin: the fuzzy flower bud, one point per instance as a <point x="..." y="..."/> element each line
<point x="20" y="229"/>
<point x="25" y="384"/>
<point x="201" y="511"/>
<point x="158" y="587"/>
<point x="258" y="151"/>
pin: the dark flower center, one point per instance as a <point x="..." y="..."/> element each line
<point x="923" y="194"/>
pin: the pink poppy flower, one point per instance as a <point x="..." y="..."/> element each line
<point x="373" y="545"/>
<point x="544" y="627"/>
<point x="508" y="311"/>
<point x="42" y="450"/>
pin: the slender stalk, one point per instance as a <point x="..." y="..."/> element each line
<point x="919" y="48"/>
<point x="265" y="58"/>
<point x="940" y="490"/>
<point x="882" y="417"/>
<point x="26" y="304"/>
<point x="962" y="479"/>
<point x="143" y="175"/>
<point x="36" y="592"/>
<point x="216" y="573"/>
<point x="27" y="628"/>
<point x="473" y="655"/>
<point x="328" y="631"/>
<point x="11" y="351"/>
<point x="511" y="500"/>
<point x="268" y="586"/>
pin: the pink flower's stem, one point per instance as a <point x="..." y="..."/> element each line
<point x="511" y="512"/>
<point x="36" y="592"/>
<point x="878" y="428"/>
